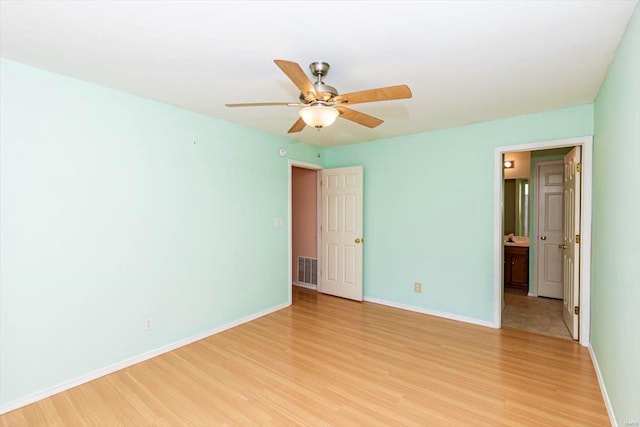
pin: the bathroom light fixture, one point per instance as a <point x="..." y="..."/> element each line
<point x="319" y="116"/>
<point x="509" y="164"/>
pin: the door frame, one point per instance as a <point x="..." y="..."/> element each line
<point x="536" y="201"/>
<point x="304" y="165"/>
<point x="586" y="142"/>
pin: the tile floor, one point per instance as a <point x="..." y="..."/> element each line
<point x="540" y="315"/>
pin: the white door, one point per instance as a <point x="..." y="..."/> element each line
<point x="570" y="249"/>
<point x="341" y="232"/>
<point x="549" y="229"/>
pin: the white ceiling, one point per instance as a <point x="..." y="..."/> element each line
<point x="465" y="61"/>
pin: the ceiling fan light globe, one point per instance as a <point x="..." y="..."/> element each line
<point x="319" y="116"/>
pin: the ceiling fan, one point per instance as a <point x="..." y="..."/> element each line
<point x="322" y="103"/>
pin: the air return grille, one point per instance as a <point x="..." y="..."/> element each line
<point x="307" y="270"/>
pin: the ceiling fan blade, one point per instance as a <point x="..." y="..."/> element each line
<point x="265" y="104"/>
<point x="380" y="94"/>
<point x="358" y="117"/>
<point x="298" y="77"/>
<point x="297" y="126"/>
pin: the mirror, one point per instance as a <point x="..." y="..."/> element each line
<point x="516" y="207"/>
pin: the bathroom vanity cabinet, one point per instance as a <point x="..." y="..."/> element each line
<point x="516" y="267"/>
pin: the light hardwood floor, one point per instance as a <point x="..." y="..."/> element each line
<point x="329" y="361"/>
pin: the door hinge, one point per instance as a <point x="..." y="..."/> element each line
<point x="577" y="238"/>
<point x="576" y="310"/>
<point x="578" y="167"/>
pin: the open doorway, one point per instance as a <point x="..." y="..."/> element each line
<point x="582" y="250"/>
<point x="304" y="227"/>
<point x="304" y="214"/>
<point x="338" y="264"/>
<point x="533" y="237"/>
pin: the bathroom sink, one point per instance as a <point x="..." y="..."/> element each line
<point x="521" y="244"/>
<point x="517" y="241"/>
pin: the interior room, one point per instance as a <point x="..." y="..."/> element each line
<point x="208" y="217"/>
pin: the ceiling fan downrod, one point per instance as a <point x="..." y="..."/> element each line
<point x="325" y="92"/>
<point x="319" y="69"/>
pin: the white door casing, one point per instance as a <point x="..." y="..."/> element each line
<point x="586" y="145"/>
<point x="341" y="232"/>
<point x="549" y="234"/>
<point x="570" y="249"/>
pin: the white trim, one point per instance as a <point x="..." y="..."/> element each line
<point x="304" y="165"/>
<point x="434" y="313"/>
<point x="318" y="229"/>
<point x="603" y="388"/>
<point x="498" y="238"/>
<point x="585" y="243"/>
<point x="305" y="285"/>
<point x="66" y="385"/>
<point x="290" y="165"/>
<point x="586" y="142"/>
<point x="531" y="294"/>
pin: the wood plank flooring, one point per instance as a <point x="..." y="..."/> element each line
<point x="326" y="361"/>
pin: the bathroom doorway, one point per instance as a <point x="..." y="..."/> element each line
<point x="533" y="274"/>
<point x="517" y="303"/>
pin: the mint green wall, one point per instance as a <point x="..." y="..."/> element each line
<point x="110" y="214"/>
<point x="615" y="298"/>
<point x="428" y="213"/>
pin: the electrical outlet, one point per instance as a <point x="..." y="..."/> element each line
<point x="148" y="323"/>
<point x="417" y="287"/>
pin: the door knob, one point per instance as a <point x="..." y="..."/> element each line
<point x="543" y="237"/>
<point x="358" y="240"/>
<point x="562" y="246"/>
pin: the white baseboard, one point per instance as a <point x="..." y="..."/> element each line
<point x="58" y="388"/>
<point x="307" y="286"/>
<point x="603" y="388"/>
<point x="435" y="313"/>
<point x="531" y="294"/>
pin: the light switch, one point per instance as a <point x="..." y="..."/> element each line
<point x="277" y="222"/>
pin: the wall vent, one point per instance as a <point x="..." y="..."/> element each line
<point x="307" y="270"/>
